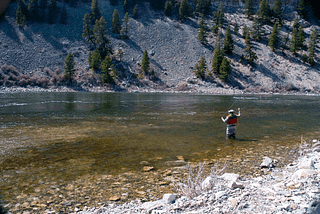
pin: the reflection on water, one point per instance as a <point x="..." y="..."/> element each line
<point x="63" y="136"/>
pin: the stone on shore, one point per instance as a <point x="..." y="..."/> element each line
<point x="231" y="177"/>
<point x="301" y="173"/>
<point x="267" y="163"/>
<point x="176" y="163"/>
<point x="169" y="198"/>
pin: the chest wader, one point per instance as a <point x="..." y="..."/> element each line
<point x="231" y="126"/>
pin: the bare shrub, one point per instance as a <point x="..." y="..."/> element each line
<point x="183" y="87"/>
<point x="10" y="69"/>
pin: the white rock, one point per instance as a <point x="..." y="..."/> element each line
<point x="230" y="177"/>
<point x="220" y="194"/>
<point x="267" y="163"/>
<point x="208" y="183"/>
<point x="301" y="173"/>
<point x="306" y="164"/>
<point x="235" y="185"/>
<point x="169" y="198"/>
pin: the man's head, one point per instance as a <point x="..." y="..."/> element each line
<point x="231" y="111"/>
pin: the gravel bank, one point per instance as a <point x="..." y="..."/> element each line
<point x="293" y="189"/>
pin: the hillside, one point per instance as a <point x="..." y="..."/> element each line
<point x="34" y="54"/>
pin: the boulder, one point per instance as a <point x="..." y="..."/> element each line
<point x="306" y="164"/>
<point x="176" y="163"/>
<point x="301" y="173"/>
<point x="234" y="185"/>
<point x="169" y="198"/>
<point x="220" y="194"/>
<point x="208" y="183"/>
<point x="267" y="163"/>
<point x="147" y="168"/>
<point x="230" y="177"/>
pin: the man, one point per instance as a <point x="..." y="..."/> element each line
<point x="231" y="121"/>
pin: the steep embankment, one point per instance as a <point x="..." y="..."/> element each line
<point x="173" y="48"/>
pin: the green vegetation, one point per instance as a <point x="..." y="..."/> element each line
<point x="312" y="46"/>
<point x="95" y="60"/>
<point x="203" y="6"/>
<point x="87" y="32"/>
<point x="102" y="40"/>
<point x="228" y="45"/>
<point x="277" y="10"/>
<point x="135" y="12"/>
<point x="264" y="12"/>
<point x="125" y="29"/>
<point x="236" y="29"/>
<point x="168" y="8"/>
<point x="69" y="67"/>
<point x="249" y="8"/>
<point x="95" y="13"/>
<point x="185" y="10"/>
<point x="203" y="31"/>
<point x="20" y="17"/>
<point x="64" y="16"/>
<point x="245" y="31"/>
<point x="200" y="68"/>
<point x="217" y="56"/>
<point x="251" y="56"/>
<point x="301" y="8"/>
<point x="106" y="70"/>
<point x="145" y="65"/>
<point x="225" y="69"/>
<point x="116" y="26"/>
<point x="219" y="16"/>
<point x="274" y="38"/>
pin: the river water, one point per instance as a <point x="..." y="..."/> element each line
<point x="52" y="139"/>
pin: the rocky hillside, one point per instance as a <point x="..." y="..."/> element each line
<point x="38" y="51"/>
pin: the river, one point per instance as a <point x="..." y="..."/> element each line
<point x="51" y="141"/>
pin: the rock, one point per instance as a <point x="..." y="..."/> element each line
<point x="267" y="163"/>
<point x="176" y="163"/>
<point x="147" y="168"/>
<point x="230" y="177"/>
<point x="234" y="185"/>
<point x="301" y="173"/>
<point x="306" y="164"/>
<point x="208" y="183"/>
<point x="69" y="187"/>
<point x="180" y="158"/>
<point x="169" y="198"/>
<point x="233" y="202"/>
<point x="220" y="194"/>
<point x="114" y="198"/>
<point x="145" y="163"/>
<point x="316" y="150"/>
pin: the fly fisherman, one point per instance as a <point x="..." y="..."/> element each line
<point x="231" y="121"/>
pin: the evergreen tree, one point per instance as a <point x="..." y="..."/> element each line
<point x="185" y="10"/>
<point x="228" y="45"/>
<point x="301" y="8"/>
<point x="277" y="11"/>
<point x="225" y="69"/>
<point x="257" y="28"/>
<point x="126" y="6"/>
<point x="264" y="11"/>
<point x="125" y="29"/>
<point x="145" y="65"/>
<point x="312" y="46"/>
<point x="116" y="26"/>
<point x="274" y="38"/>
<point x="20" y="17"/>
<point x="24" y="8"/>
<point x="217" y="55"/>
<point x="219" y="16"/>
<point x="236" y="29"/>
<point x="87" y="32"/>
<point x="95" y="13"/>
<point x="69" y="67"/>
<point x="285" y="40"/>
<point x="33" y="10"/>
<point x="135" y="12"/>
<point x="106" y="68"/>
<point x="203" y="31"/>
<point x="251" y="55"/>
<point x="102" y="38"/>
<point x="64" y="16"/>
<point x="245" y="31"/>
<point x="53" y="9"/>
<point x="203" y="6"/>
<point x="201" y="68"/>
<point x="293" y="42"/>
<point x="168" y="8"/>
<point x="249" y="8"/>
<point x="300" y="38"/>
<point x="95" y="60"/>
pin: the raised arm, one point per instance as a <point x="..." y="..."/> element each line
<point x="239" y="114"/>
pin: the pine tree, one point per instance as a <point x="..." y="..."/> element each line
<point x="228" y="45"/>
<point x="69" y="67"/>
<point x="33" y="10"/>
<point x="145" y="65"/>
<point x="274" y="38"/>
<point x="125" y="29"/>
<point x="201" y="68"/>
<point x="312" y="46"/>
<point x="245" y="31"/>
<point x="301" y="8"/>
<point x="264" y="11"/>
<point x="203" y="31"/>
<point x="277" y="10"/>
<point x="87" y="32"/>
<point x="64" y="16"/>
<point x="126" y="6"/>
<point x="168" y="8"/>
<point x="95" y="13"/>
<point x="249" y="8"/>
<point x="116" y="26"/>
<point x="135" y="12"/>
<point x="185" y="10"/>
<point x="219" y="16"/>
<point x="225" y="69"/>
<point x="251" y="55"/>
<point x="95" y="60"/>
<point x="106" y="68"/>
<point x="102" y="38"/>
<point x="203" y="6"/>
<point x="257" y="28"/>
<point x="300" y="38"/>
<point x="217" y="55"/>
<point x="293" y="42"/>
<point x="236" y="29"/>
<point x="53" y="9"/>
<point x="285" y="40"/>
<point x="20" y="17"/>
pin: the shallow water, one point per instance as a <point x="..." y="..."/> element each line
<point x="49" y="138"/>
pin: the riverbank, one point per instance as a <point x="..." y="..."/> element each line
<point x="293" y="189"/>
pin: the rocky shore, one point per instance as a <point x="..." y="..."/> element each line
<point x="293" y="189"/>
